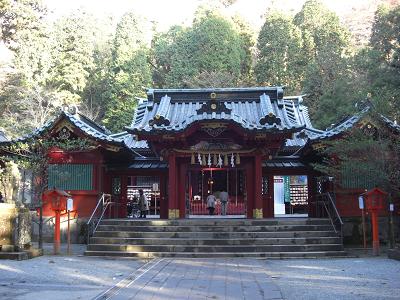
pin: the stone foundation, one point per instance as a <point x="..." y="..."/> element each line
<point x="77" y="229"/>
<point x="353" y="233"/>
<point x="15" y="228"/>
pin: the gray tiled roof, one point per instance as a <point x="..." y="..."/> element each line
<point x="3" y="137"/>
<point x="80" y="121"/>
<point x="391" y="124"/>
<point x="341" y="127"/>
<point x="261" y="109"/>
<point x="299" y="113"/>
<point x="130" y="141"/>
<point x="284" y="162"/>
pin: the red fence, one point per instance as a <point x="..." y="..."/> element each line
<point x="200" y="208"/>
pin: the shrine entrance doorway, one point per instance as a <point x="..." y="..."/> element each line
<point x="202" y="181"/>
<point x="291" y="195"/>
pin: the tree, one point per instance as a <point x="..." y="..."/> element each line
<point x="325" y="50"/>
<point x="73" y="59"/>
<point x="363" y="161"/>
<point x="130" y="71"/>
<point x="384" y="60"/>
<point x="213" y="44"/>
<point x="279" y="47"/>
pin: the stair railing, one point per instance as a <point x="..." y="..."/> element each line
<point x="329" y="204"/>
<point x="103" y="203"/>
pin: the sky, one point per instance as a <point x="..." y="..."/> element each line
<point x="169" y="12"/>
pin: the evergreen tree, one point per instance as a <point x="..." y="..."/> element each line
<point x="129" y="74"/>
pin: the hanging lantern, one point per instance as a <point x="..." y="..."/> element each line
<point x="232" y="161"/>
<point x="215" y="160"/>
<point x="209" y="160"/>
<point x="219" y="161"/>
<point x="226" y="160"/>
<point x="193" y="160"/>
<point x="204" y="162"/>
<point x="237" y="159"/>
<point x="199" y="159"/>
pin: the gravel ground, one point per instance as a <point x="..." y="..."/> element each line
<point x="347" y="278"/>
<point x="62" y="277"/>
<point x="79" y="277"/>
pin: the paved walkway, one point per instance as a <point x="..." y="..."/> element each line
<point x="196" y="279"/>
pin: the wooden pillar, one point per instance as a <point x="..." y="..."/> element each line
<point x="173" y="211"/>
<point x="181" y="187"/>
<point x="312" y="191"/>
<point x="270" y="196"/>
<point x="163" y="196"/>
<point x="249" y="173"/>
<point x="258" y="205"/>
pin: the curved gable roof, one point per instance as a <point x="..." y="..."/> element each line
<point x="254" y="109"/>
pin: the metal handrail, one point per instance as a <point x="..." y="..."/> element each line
<point x="331" y="210"/>
<point x="93" y="222"/>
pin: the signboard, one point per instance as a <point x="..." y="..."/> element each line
<point x="155" y="187"/>
<point x="391" y="207"/>
<point x="361" y="202"/>
<point x="70" y="204"/>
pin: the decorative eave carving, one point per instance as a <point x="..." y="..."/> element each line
<point x="213" y="106"/>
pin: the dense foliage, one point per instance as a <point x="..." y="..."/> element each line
<point x="104" y="65"/>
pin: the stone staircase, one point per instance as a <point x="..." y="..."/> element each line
<point x="275" y="238"/>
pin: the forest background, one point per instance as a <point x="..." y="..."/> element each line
<point x="103" y="65"/>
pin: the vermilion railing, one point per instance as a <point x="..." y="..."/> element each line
<point x="200" y="208"/>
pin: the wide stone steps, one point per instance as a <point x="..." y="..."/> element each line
<point x="216" y="241"/>
<point x="215" y="235"/>
<point x="277" y="238"/>
<point x="277" y="255"/>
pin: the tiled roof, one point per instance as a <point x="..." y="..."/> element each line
<point x="391" y="124"/>
<point x="261" y="109"/>
<point x="80" y="121"/>
<point x="130" y="141"/>
<point x="148" y="164"/>
<point x="341" y="127"/>
<point x="299" y="114"/>
<point x="284" y="162"/>
<point x="3" y="137"/>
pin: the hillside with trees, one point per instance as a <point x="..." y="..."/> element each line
<point x="103" y="65"/>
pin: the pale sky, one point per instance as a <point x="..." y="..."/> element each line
<point x="169" y="12"/>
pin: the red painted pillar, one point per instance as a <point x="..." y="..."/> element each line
<point x="258" y="205"/>
<point x="249" y="189"/>
<point x="181" y="186"/>
<point x="270" y="196"/>
<point x="173" y="211"/>
<point x="163" y="196"/>
<point x="375" y="232"/>
<point x="57" y="234"/>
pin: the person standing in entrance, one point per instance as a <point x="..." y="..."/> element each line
<point x="143" y="204"/>
<point x="224" y="197"/>
<point x="211" y="204"/>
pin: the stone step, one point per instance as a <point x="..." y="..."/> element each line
<point x="215" y="248"/>
<point x="210" y="228"/>
<point x="210" y="235"/>
<point x="275" y="255"/>
<point x="216" y="222"/>
<point x="216" y="241"/>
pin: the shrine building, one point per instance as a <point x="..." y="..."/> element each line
<point x="184" y="144"/>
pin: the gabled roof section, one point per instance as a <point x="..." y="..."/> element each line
<point x="131" y="142"/>
<point x="254" y="109"/>
<point x="342" y="126"/>
<point x="87" y="126"/>
<point x="298" y="113"/>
